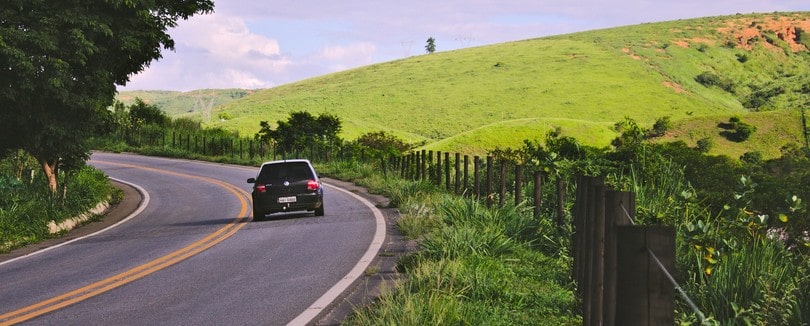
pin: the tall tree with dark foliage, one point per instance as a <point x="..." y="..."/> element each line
<point x="60" y="61"/>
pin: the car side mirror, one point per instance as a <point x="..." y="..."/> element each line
<point x="251" y="180"/>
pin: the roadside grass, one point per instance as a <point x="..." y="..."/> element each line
<point x="737" y="266"/>
<point x="475" y="265"/>
<point x="27" y="206"/>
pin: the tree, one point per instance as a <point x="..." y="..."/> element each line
<point x="141" y="113"/>
<point x="301" y="130"/>
<point x="61" y="61"/>
<point x="383" y="143"/>
<point x="430" y="47"/>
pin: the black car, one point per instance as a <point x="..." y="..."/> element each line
<point x="285" y="186"/>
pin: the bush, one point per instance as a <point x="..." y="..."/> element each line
<point x="709" y="79"/>
<point x="704" y="145"/>
<point x="661" y="126"/>
<point x="736" y="130"/>
<point x="742" y="131"/>
<point x="754" y="158"/>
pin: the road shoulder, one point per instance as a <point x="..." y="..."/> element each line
<point x="382" y="274"/>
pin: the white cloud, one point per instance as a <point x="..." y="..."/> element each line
<point x="215" y="51"/>
<point x="225" y="37"/>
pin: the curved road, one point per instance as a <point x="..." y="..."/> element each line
<point x="193" y="256"/>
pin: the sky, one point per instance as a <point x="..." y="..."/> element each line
<point x="255" y="44"/>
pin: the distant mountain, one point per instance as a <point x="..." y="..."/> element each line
<point x="185" y="103"/>
<point x="698" y="72"/>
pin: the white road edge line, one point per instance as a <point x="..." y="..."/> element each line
<point x="376" y="243"/>
<point x="141" y="207"/>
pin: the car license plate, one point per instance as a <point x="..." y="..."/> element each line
<point x="283" y="200"/>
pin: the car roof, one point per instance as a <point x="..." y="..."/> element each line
<point x="298" y="160"/>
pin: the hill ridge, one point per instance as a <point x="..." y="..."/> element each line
<point x="684" y="69"/>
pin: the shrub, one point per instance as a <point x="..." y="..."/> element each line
<point x="736" y="130"/>
<point x="742" y="131"/>
<point x="754" y="158"/>
<point x="661" y="126"/>
<point x="709" y="79"/>
<point x="704" y="145"/>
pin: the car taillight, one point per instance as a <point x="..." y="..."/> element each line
<point x="261" y="188"/>
<point x="312" y="185"/>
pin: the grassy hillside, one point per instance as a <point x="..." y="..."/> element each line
<point x="775" y="129"/>
<point x="185" y="103"/>
<point x="475" y="99"/>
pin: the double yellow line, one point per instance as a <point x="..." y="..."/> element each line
<point x="141" y="271"/>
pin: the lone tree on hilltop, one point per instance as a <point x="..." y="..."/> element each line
<point x="61" y="61"/>
<point x="430" y="47"/>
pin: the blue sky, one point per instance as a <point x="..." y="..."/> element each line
<point x="262" y="44"/>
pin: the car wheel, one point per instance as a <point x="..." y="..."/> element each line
<point x="319" y="211"/>
<point x="257" y="215"/>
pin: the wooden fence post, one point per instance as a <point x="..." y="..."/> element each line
<point x="619" y="205"/>
<point x="458" y="174"/>
<point x="502" y="192"/>
<point x="430" y="167"/>
<point x="438" y="170"/>
<point x="447" y="171"/>
<point x="466" y="174"/>
<point x="538" y="193"/>
<point x="423" y="166"/>
<point x="518" y="184"/>
<point x="582" y="211"/>
<point x="489" y="181"/>
<point x="644" y="295"/>
<point x="596" y="251"/>
<point x="477" y="177"/>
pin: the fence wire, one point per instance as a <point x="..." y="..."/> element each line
<point x="669" y="276"/>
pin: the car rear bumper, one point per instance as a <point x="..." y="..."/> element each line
<point x="269" y="203"/>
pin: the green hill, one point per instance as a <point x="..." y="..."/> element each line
<point x="698" y="72"/>
<point x="184" y="103"/>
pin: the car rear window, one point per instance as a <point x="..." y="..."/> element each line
<point x="285" y="171"/>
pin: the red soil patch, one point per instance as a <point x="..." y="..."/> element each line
<point x="675" y="86"/>
<point x="745" y="32"/>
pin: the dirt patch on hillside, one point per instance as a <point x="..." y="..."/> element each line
<point x="631" y="54"/>
<point x="675" y="86"/>
<point x="747" y="32"/>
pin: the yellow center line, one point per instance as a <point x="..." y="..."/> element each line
<point x="141" y="271"/>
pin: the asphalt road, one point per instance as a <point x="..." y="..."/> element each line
<point x="192" y="256"/>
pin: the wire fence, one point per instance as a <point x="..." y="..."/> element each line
<point x="614" y="279"/>
<point x="622" y="270"/>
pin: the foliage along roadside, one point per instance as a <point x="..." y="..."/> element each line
<point x="722" y="216"/>
<point x="27" y="207"/>
<point x="57" y="86"/>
